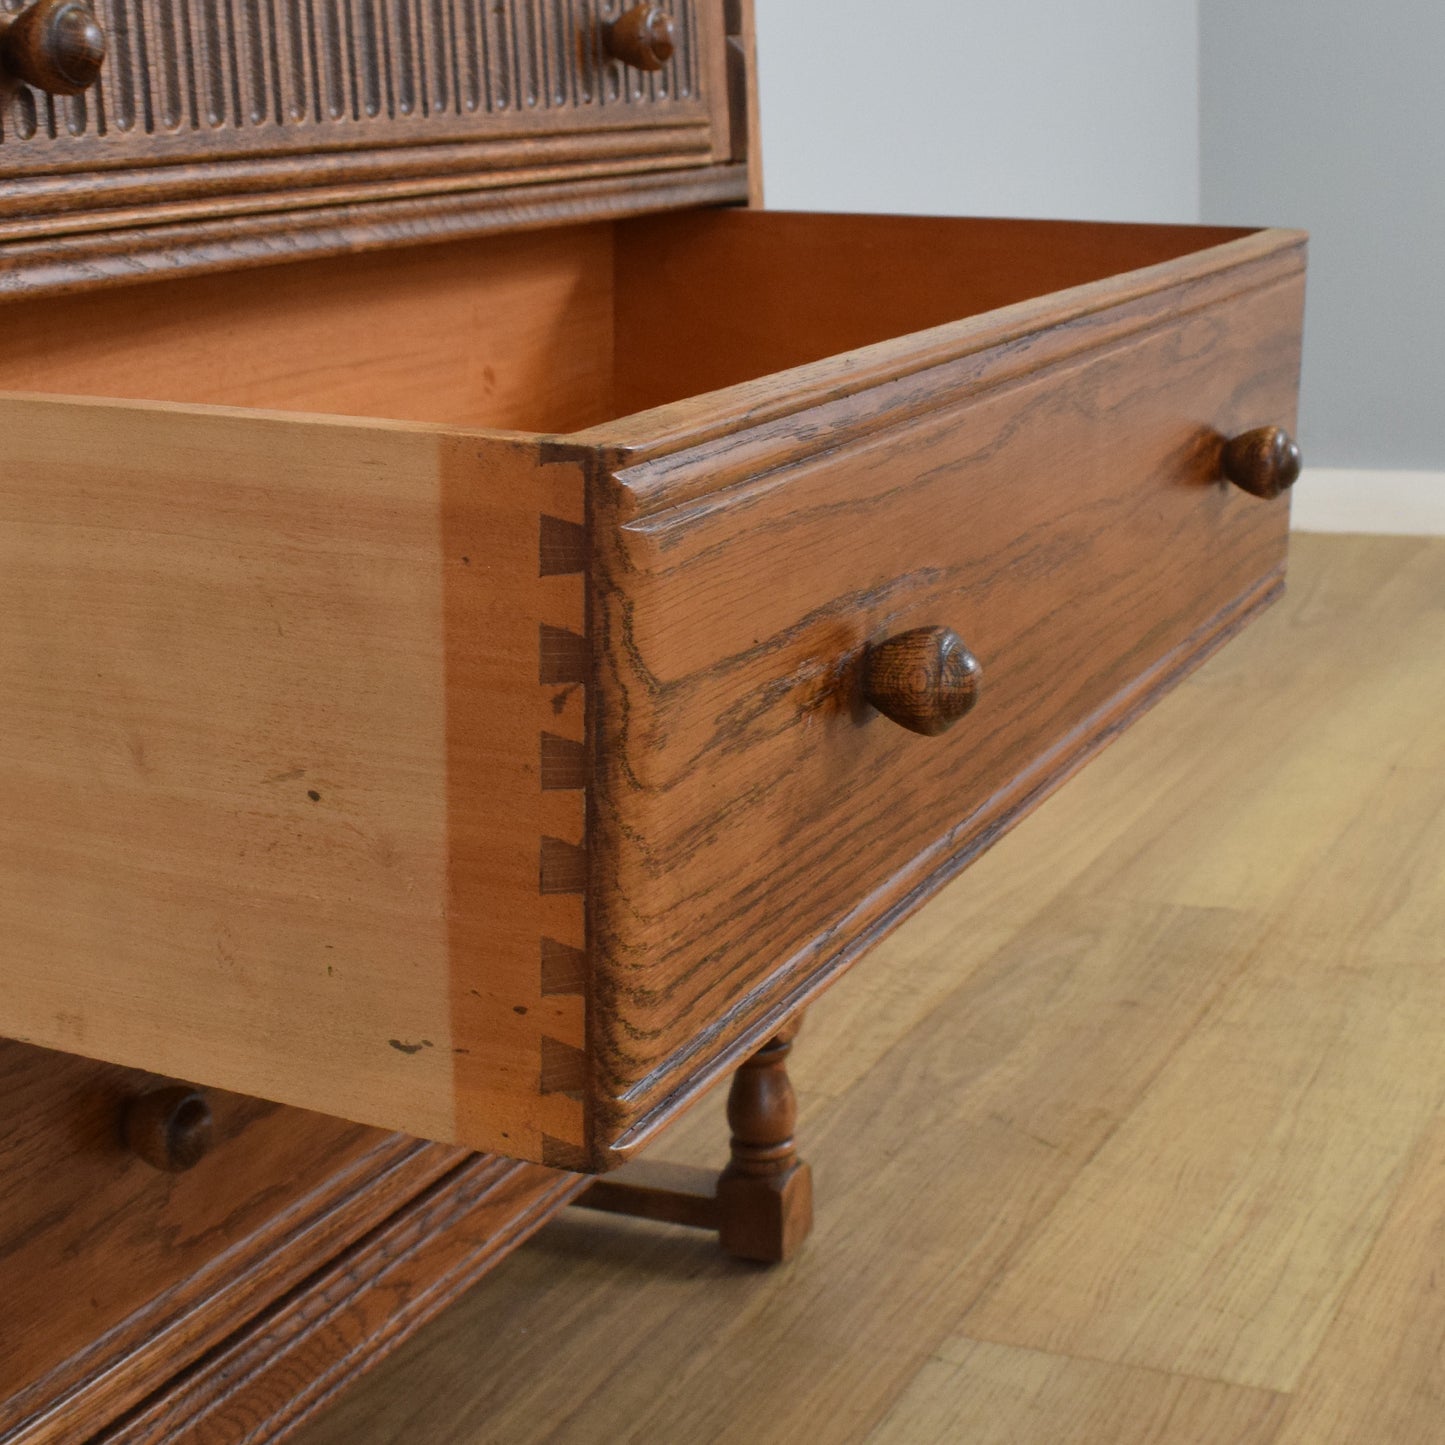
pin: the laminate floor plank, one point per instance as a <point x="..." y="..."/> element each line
<point x="986" y="1394"/>
<point x="1380" y="1373"/>
<point x="1217" y="1231"/>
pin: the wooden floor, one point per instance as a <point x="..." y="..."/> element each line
<point x="1136" y="1133"/>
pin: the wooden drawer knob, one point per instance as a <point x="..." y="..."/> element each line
<point x="55" y="45"/>
<point x="642" y="37"/>
<point x="925" y="680"/>
<point x="170" y="1128"/>
<point x="1263" y="462"/>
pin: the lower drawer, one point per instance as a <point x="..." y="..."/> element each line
<point x="116" y="1274"/>
<point x="504" y="786"/>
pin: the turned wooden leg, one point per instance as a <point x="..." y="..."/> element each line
<point x="761" y="1205"/>
<point x="765" y="1195"/>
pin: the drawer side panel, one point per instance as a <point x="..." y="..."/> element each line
<point x="270" y="761"/>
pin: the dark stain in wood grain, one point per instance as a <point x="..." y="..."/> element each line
<point x="564" y="867"/>
<point x="563" y="547"/>
<point x="559" y="1154"/>
<point x="564" y="763"/>
<point x="564" y="1068"/>
<point x="564" y="656"/>
<point x="564" y="969"/>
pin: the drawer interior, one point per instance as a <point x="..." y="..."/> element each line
<point x="555" y="331"/>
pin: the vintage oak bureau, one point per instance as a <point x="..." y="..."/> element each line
<point x="491" y="624"/>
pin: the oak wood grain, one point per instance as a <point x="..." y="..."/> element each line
<point x="86" y="262"/>
<point x="318" y="82"/>
<point x="295" y="693"/>
<point x="33" y="205"/>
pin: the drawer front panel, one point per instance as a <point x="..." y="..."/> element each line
<point x="221" y="136"/>
<point x="759" y="823"/>
<point x="195" y="81"/>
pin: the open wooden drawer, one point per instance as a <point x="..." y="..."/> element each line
<point x="471" y="761"/>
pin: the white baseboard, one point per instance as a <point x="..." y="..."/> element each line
<point x="1334" y="499"/>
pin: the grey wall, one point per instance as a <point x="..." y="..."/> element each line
<point x="1025" y="108"/>
<point x="1330" y="114"/>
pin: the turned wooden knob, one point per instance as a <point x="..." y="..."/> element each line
<point x="170" y="1128"/>
<point x="642" y="37"/>
<point x="55" y="45"/>
<point x="925" y="680"/>
<point x="1263" y="462"/>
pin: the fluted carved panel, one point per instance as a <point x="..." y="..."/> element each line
<point x="230" y="133"/>
<point x="191" y="79"/>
